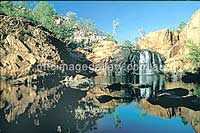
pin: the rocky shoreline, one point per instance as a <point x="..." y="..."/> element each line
<point x="25" y="46"/>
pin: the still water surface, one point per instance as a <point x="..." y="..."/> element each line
<point x="106" y="107"/>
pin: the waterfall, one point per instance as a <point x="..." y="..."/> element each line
<point x="149" y="62"/>
<point x="143" y="62"/>
<point x="160" y="62"/>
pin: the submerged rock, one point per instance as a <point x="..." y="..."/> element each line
<point x="104" y="98"/>
<point x="173" y="92"/>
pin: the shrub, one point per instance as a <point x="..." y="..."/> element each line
<point x="194" y="53"/>
<point x="45" y="15"/>
<point x="181" y="26"/>
<point x="127" y="43"/>
<point x="110" y="37"/>
<point x="196" y="91"/>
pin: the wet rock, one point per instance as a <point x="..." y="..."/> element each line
<point x="104" y="98"/>
<point x="115" y="87"/>
<point x="78" y="82"/>
<point x="189" y="77"/>
<point x="173" y="77"/>
<point x="174" y="92"/>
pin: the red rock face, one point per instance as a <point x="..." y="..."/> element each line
<point x="171" y="44"/>
<point x="24" y="45"/>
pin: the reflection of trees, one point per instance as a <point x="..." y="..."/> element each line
<point x="117" y="121"/>
<point x="90" y="108"/>
<point x="82" y="115"/>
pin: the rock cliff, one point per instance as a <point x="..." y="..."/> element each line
<point x="171" y="44"/>
<point x="112" y="59"/>
<point x="25" y="46"/>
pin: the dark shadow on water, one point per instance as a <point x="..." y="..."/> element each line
<point x="51" y="106"/>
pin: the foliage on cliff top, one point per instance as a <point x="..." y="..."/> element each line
<point x="68" y="28"/>
<point x="180" y="27"/>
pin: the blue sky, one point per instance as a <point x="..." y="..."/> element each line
<point x="132" y="15"/>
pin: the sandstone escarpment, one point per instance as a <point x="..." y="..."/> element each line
<point x="171" y="44"/>
<point x="112" y="59"/>
<point x="25" y="46"/>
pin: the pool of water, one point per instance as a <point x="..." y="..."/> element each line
<point x="155" y="106"/>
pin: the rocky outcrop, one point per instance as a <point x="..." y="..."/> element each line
<point x="110" y="58"/>
<point x="78" y="82"/>
<point x="85" y="37"/>
<point x="23" y="45"/>
<point x="171" y="44"/>
<point x="28" y="49"/>
<point x="81" y="36"/>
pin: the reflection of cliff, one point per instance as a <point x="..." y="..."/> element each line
<point x="164" y="103"/>
<point x="97" y="102"/>
<point x="187" y="115"/>
<point x="109" y="92"/>
<point x="16" y="100"/>
<point x="100" y="100"/>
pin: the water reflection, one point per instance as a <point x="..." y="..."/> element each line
<point x="62" y="109"/>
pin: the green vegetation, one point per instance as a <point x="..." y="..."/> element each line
<point x="110" y="37"/>
<point x="19" y="9"/>
<point x="181" y="26"/>
<point x="63" y="27"/>
<point x="141" y="34"/>
<point x="115" y="26"/>
<point x="194" y="53"/>
<point x="127" y="43"/>
<point x="44" y="15"/>
<point x="188" y="70"/>
<point x="196" y="91"/>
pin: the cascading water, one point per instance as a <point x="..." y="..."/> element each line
<point x="143" y="62"/>
<point x="149" y="62"/>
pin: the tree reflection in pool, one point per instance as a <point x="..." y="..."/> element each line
<point x="112" y="104"/>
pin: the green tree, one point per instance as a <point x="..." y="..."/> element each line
<point x="194" y="53"/>
<point x="7" y="8"/>
<point x="110" y="37"/>
<point x="127" y="43"/>
<point x="115" y="25"/>
<point x="44" y="14"/>
<point x="181" y="26"/>
<point x="141" y="34"/>
<point x="90" y="25"/>
<point x="71" y="16"/>
<point x="22" y="4"/>
<point x="19" y="9"/>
